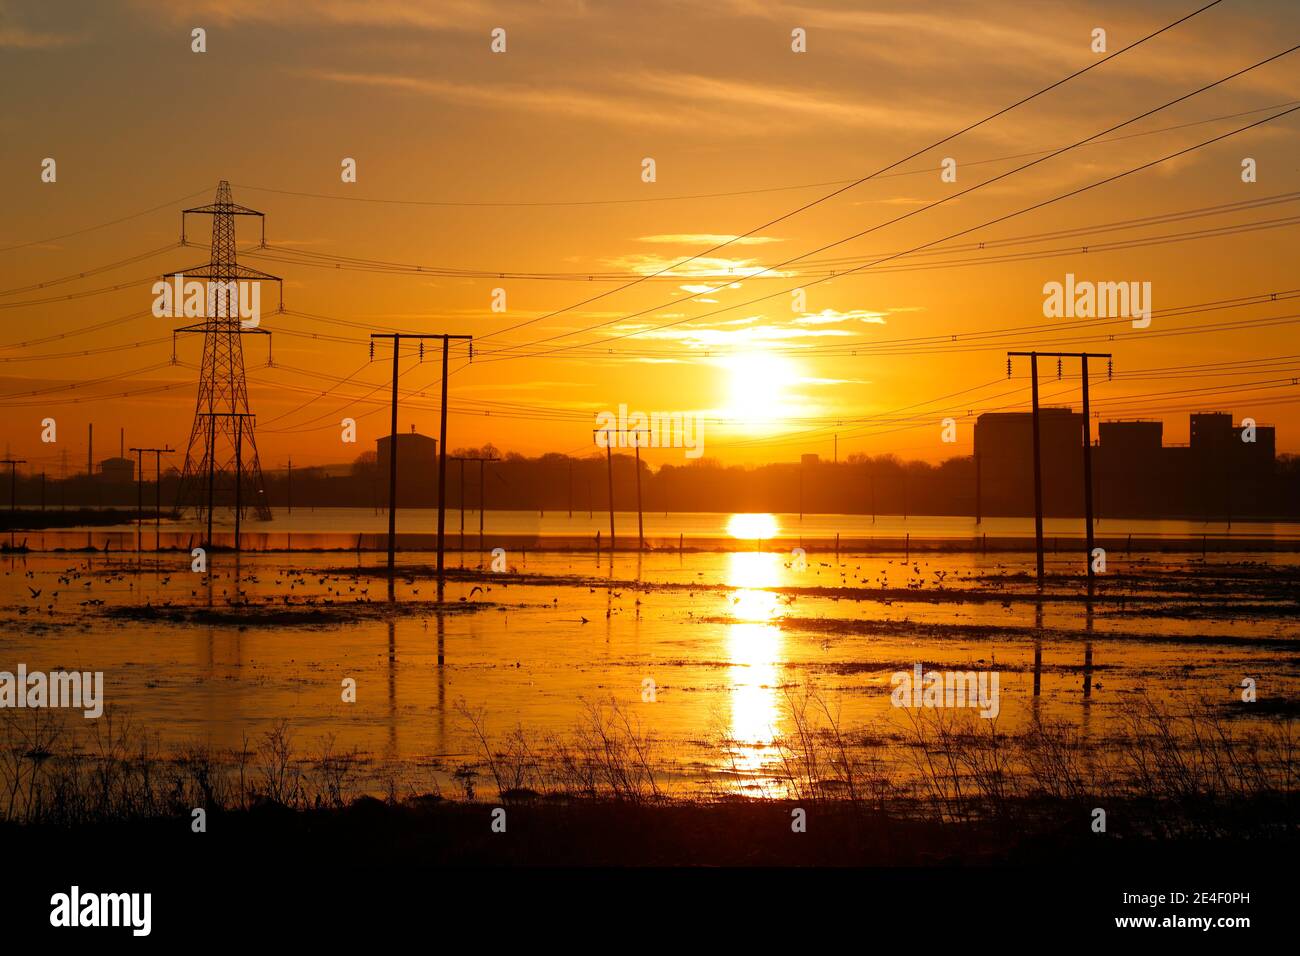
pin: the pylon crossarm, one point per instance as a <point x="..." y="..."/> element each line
<point x="232" y="208"/>
<point x="219" y="272"/>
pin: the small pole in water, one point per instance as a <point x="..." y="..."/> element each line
<point x="139" y="500"/>
<point x="609" y="459"/>
<point x="871" y="482"/>
<point x="640" y="524"/>
<point x="907" y="546"/>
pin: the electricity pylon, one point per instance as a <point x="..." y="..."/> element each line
<point x="210" y="469"/>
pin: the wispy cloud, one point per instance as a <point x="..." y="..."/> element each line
<point x="834" y="317"/>
<point x="15" y="37"/>
<point x="766" y="100"/>
<point x="705" y="337"/>
<point x="712" y="268"/>
<point x="533" y="386"/>
<point x="444" y="15"/>
<point x="833" y="381"/>
<point x="708" y="239"/>
<point x="531" y="99"/>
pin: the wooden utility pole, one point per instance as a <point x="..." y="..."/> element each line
<point x="1087" y="474"/>
<point x="609" y="458"/>
<point x="481" y="490"/>
<point x="239" y="480"/>
<point x="212" y="470"/>
<point x="157" y="491"/>
<point x="392" y="451"/>
<point x="640" y="522"/>
<point x="13" y="464"/>
<point x="1087" y="452"/>
<point x="139" y="495"/>
<point x="442" y="460"/>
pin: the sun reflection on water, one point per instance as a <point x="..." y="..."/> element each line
<point x="755" y="648"/>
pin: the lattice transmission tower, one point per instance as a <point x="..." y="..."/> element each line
<point x="221" y="415"/>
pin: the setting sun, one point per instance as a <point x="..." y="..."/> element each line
<point x="757" y="388"/>
<point x="752" y="527"/>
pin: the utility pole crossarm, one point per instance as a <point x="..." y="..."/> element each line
<point x="1061" y="354"/>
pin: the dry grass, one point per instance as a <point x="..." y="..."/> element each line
<point x="1190" y="766"/>
<point x="65" y="772"/>
<point x="607" y="755"/>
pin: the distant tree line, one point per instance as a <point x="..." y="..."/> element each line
<point x="557" y="483"/>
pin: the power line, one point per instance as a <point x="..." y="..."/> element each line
<point x="170" y="204"/>
<point x="514" y="204"/>
<point x="884" y="169"/>
<point x="987" y="223"/>
<point x="834" y="267"/>
<point x="75" y="276"/>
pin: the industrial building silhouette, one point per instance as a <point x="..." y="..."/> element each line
<point x="417" y="468"/>
<point x="1225" y="471"/>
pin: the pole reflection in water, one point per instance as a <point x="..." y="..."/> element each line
<point x="392" y="687"/>
<point x="442" y="684"/>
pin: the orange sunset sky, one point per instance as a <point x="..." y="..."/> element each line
<point x="522" y="171"/>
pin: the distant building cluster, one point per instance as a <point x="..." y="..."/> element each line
<point x="1224" y="471"/>
<point x="117" y="470"/>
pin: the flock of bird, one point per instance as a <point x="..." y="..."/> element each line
<point x="294" y="587"/>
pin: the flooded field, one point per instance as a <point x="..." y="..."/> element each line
<point x="708" y="657"/>
<point x="348" y="528"/>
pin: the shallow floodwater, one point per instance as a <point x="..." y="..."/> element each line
<point x="726" y="638"/>
<point x="306" y="528"/>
